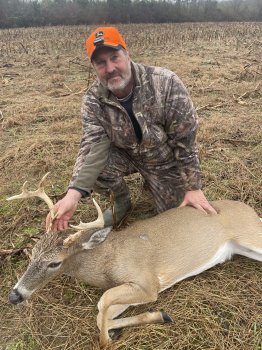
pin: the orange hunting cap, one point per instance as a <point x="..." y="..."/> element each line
<point x="104" y="36"/>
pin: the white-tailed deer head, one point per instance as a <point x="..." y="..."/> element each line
<point x="52" y="252"/>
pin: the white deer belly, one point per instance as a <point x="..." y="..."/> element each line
<point x="167" y="278"/>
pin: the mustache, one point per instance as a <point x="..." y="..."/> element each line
<point x="113" y="75"/>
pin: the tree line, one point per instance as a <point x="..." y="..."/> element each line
<point x="30" y="13"/>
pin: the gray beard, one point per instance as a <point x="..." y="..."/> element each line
<point x="120" y="86"/>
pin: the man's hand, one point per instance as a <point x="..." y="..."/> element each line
<point x="64" y="210"/>
<point x="197" y="200"/>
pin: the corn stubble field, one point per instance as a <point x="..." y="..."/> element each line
<point x="44" y="73"/>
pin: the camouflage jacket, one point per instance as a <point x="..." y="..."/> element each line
<point x="167" y="119"/>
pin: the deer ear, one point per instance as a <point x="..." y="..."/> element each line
<point x="97" y="238"/>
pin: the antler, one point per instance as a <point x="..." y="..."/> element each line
<point x="98" y="223"/>
<point x="40" y="192"/>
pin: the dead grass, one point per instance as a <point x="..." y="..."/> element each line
<point x="43" y="75"/>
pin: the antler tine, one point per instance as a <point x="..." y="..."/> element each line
<point x="40" y="192"/>
<point x="98" y="223"/>
<point x="43" y="180"/>
<point x="24" y="189"/>
<point x="24" y="193"/>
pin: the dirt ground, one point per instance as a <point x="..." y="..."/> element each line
<point x="43" y="75"/>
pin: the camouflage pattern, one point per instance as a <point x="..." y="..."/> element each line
<point x="166" y="157"/>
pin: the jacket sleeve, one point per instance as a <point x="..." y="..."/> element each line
<point x="181" y="128"/>
<point x="94" y="147"/>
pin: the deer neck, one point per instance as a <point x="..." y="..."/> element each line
<point x="87" y="266"/>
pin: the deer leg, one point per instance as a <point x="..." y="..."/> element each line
<point x="250" y="252"/>
<point x="113" y="312"/>
<point x="126" y="294"/>
<point x="144" y="318"/>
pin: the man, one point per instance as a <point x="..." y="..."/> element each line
<point x="136" y="118"/>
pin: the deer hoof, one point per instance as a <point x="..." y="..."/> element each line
<point x="115" y="333"/>
<point x="166" y="317"/>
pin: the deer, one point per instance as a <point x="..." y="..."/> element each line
<point x="134" y="264"/>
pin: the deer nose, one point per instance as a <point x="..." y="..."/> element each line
<point x="15" y="297"/>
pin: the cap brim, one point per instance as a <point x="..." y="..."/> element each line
<point x="116" y="47"/>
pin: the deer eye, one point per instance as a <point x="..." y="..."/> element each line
<point x="53" y="265"/>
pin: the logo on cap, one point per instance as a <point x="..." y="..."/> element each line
<point x="99" y="38"/>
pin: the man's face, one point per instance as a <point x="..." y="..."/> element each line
<point x="113" y="69"/>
